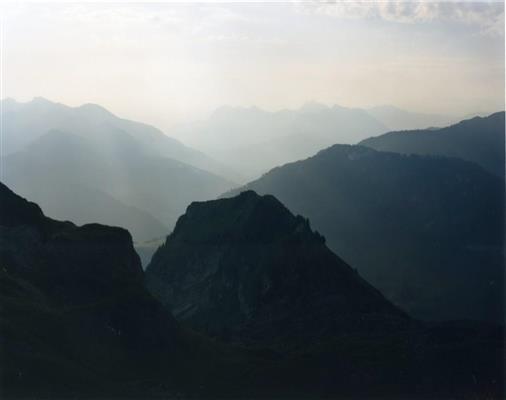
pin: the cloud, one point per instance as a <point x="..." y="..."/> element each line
<point x="488" y="17"/>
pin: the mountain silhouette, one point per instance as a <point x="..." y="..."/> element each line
<point x="248" y="272"/>
<point x="427" y="231"/>
<point x="77" y="321"/>
<point x="246" y="269"/>
<point x="479" y="139"/>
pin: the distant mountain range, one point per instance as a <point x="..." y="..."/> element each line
<point x="253" y="140"/>
<point x="427" y="231"/>
<point x="479" y="139"/>
<point x="395" y="118"/>
<point x="25" y="122"/>
<point x="87" y="165"/>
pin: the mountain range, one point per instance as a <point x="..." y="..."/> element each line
<point x="428" y="231"/>
<point x="87" y="165"/>
<point x="77" y="320"/>
<point x="247" y="272"/>
<point x="25" y="122"/>
<point x="479" y="139"/>
<point x="395" y="118"/>
<point x="253" y="140"/>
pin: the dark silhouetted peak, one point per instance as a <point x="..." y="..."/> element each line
<point x="56" y="255"/>
<point x="246" y="269"/>
<point x="15" y="210"/>
<point x="243" y="218"/>
<point x="71" y="297"/>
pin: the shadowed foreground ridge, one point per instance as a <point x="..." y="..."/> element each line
<point x="77" y="322"/>
<point x="75" y="317"/>
<point x="247" y="271"/>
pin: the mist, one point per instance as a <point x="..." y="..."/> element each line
<point x="170" y="64"/>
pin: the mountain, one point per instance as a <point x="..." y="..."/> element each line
<point x="427" y="231"/>
<point x="76" y="320"/>
<point x="25" y="122"/>
<point x="398" y="119"/>
<point x="248" y="272"/>
<point x="479" y="139"/>
<point x="253" y="140"/>
<point x="223" y="273"/>
<point x="73" y="177"/>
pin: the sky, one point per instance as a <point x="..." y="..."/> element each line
<point x="167" y="63"/>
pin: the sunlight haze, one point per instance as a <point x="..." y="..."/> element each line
<point x="166" y="64"/>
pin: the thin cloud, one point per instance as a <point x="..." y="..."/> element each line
<point x="488" y="17"/>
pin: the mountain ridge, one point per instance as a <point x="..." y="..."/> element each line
<point x="420" y="217"/>
<point x="477" y="139"/>
<point x="223" y="273"/>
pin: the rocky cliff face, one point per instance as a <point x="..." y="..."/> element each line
<point x="245" y="269"/>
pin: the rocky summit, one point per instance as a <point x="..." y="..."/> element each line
<point x="246" y="270"/>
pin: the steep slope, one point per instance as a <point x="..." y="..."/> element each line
<point x="480" y="140"/>
<point x="427" y="231"/>
<point x="398" y="119"/>
<point x="76" y="320"/>
<point x="25" y="122"/>
<point x="74" y="179"/>
<point x="246" y="269"/>
<point x="253" y="140"/>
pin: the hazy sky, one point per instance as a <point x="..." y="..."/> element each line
<point x="164" y="63"/>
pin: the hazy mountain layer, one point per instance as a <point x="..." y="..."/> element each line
<point x="480" y="139"/>
<point x="397" y="119"/>
<point x="427" y="231"/>
<point x="74" y="178"/>
<point x="25" y="122"/>
<point x="254" y="141"/>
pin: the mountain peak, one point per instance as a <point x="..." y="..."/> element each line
<point x="95" y="110"/>
<point x="313" y="106"/>
<point x="238" y="219"/>
<point x="41" y="100"/>
<point x="15" y="210"/>
<point x="246" y="269"/>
